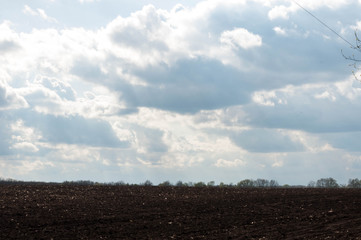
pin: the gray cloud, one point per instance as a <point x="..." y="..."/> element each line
<point x="178" y="65"/>
<point x="349" y="141"/>
<point x="87" y="70"/>
<point x="150" y="140"/>
<point x="309" y="115"/>
<point x="188" y="86"/>
<point x="266" y="141"/>
<point x="5" y="136"/>
<point x="8" y="46"/>
<point x="73" y="130"/>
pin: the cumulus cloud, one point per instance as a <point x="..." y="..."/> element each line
<point x="62" y="89"/>
<point x="24" y="146"/>
<point x="9" y="39"/>
<point x="241" y="37"/>
<point x="283" y="11"/>
<point x="188" y="91"/>
<point x="266" y="140"/>
<point x="280" y="31"/>
<point x="88" y="1"/>
<point x="74" y="130"/>
<point x="229" y="164"/>
<point x="39" y="13"/>
<point x="223" y="84"/>
<point x="5" y="140"/>
<point x="312" y="108"/>
<point x="9" y="98"/>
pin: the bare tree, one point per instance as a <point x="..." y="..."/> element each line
<point x="354" y="183"/>
<point x="356" y="60"/>
<point x="311" y="184"/>
<point x="147" y="183"/>
<point x="327" y="183"/>
<point x="273" y="183"/>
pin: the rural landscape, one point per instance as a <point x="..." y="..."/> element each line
<point x="186" y="119"/>
<point x="88" y="210"/>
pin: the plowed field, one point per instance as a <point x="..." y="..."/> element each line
<point x="135" y="212"/>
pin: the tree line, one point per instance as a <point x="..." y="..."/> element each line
<point x="246" y="183"/>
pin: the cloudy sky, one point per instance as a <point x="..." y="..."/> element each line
<point x="191" y="90"/>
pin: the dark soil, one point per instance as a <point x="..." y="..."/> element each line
<point x="135" y="212"/>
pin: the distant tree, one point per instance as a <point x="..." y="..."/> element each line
<point x="200" y="184"/>
<point x="273" y="183"/>
<point x="261" y="183"/>
<point x="188" y="184"/>
<point x="79" y="182"/>
<point x="246" y="183"/>
<point x="211" y="184"/>
<point x="354" y="183"/>
<point x="9" y="181"/>
<point x="311" y="184"/>
<point x="326" y="183"/>
<point x="148" y="183"/>
<point x="120" y="183"/>
<point x="179" y="184"/>
<point x="222" y="184"/>
<point x="165" y="184"/>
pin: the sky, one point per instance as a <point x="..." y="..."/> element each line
<point x="190" y="90"/>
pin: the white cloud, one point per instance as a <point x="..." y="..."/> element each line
<point x="326" y="95"/>
<point x="39" y="13"/>
<point x="24" y="138"/>
<point x="280" y="12"/>
<point x="310" y="107"/>
<point x="332" y="4"/>
<point x="9" y="97"/>
<point x="222" y="163"/>
<point x="9" y="40"/>
<point x="25" y="146"/>
<point x="356" y="27"/>
<point x="283" y="12"/>
<point x="191" y="88"/>
<point x="88" y="1"/>
<point x="280" y="31"/>
<point x="241" y="37"/>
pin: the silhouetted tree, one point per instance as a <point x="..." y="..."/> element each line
<point x="211" y="184"/>
<point x="165" y="184"/>
<point x="199" y="184"/>
<point x="147" y="183"/>
<point x="222" y="184"/>
<point x="261" y="183"/>
<point x="273" y="183"/>
<point x="327" y="183"/>
<point x="311" y="184"/>
<point x="179" y="184"/>
<point x="246" y="183"/>
<point x="354" y="183"/>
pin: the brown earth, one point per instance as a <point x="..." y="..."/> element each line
<point x="135" y="212"/>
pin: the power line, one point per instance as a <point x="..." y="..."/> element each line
<point x="324" y="24"/>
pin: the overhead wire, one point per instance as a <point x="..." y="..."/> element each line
<point x="324" y="24"/>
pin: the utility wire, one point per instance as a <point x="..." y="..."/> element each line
<point x="324" y="24"/>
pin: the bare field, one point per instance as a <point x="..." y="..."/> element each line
<point x="138" y="212"/>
